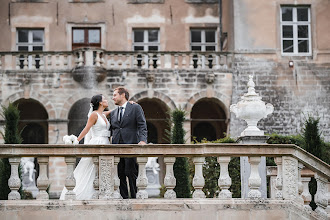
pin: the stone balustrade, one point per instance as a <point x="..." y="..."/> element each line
<point x="289" y="179"/>
<point x="95" y="57"/>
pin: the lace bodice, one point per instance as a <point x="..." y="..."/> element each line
<point x="101" y="128"/>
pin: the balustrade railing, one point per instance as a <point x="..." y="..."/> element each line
<point x="289" y="181"/>
<point x="95" y="57"/>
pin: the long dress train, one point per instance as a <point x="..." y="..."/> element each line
<point x="84" y="173"/>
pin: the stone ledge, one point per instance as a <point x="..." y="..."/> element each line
<point x="155" y="209"/>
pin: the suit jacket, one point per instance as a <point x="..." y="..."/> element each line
<point x="132" y="128"/>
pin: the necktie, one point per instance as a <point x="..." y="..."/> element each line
<point x="120" y="113"/>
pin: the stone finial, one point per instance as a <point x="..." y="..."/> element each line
<point x="251" y="109"/>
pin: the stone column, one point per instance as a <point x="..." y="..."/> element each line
<point x="96" y="183"/>
<point x="106" y="177"/>
<point x="14" y="181"/>
<point x="290" y="177"/>
<point x="198" y="181"/>
<point x="224" y="181"/>
<point x="116" y="193"/>
<point x="70" y="181"/>
<point x="254" y="180"/>
<point x="142" y="180"/>
<point x="321" y="199"/>
<point x="43" y="181"/>
<point x="169" y="180"/>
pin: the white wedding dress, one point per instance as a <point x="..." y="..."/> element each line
<point x="84" y="173"/>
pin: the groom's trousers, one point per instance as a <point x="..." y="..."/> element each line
<point x="127" y="167"/>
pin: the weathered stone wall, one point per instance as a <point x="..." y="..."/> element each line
<point x="295" y="93"/>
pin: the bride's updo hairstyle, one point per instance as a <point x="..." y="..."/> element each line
<point x="95" y="101"/>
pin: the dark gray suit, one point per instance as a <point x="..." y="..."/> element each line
<point x="130" y="130"/>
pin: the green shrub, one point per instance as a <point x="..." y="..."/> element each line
<point x="12" y="135"/>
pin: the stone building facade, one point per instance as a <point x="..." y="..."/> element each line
<point x="54" y="55"/>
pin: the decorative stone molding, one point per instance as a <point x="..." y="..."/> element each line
<point x="321" y="199"/>
<point x="224" y="181"/>
<point x="142" y="180"/>
<point x="106" y="177"/>
<point x="150" y="76"/>
<point x="96" y="183"/>
<point x="70" y="181"/>
<point x="290" y="178"/>
<point x="254" y="179"/>
<point x="209" y="78"/>
<point x="116" y="181"/>
<point x="169" y="180"/>
<point x="279" y="180"/>
<point x="43" y="181"/>
<point x="300" y="184"/>
<point x="251" y="109"/>
<point x="14" y="181"/>
<point x="198" y="181"/>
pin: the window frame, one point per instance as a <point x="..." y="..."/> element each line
<point x="30" y="44"/>
<point x="203" y="44"/>
<point x="86" y="39"/>
<point x="295" y="23"/>
<point x="145" y="44"/>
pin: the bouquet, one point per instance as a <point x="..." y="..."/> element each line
<point x="72" y="139"/>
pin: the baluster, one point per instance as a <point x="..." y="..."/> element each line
<point x="198" y="181"/>
<point x="65" y="61"/>
<point x="116" y="193"/>
<point x="254" y="179"/>
<point x="0" y="62"/>
<point x="191" y="64"/>
<point x="112" y="61"/>
<point x="18" y="62"/>
<point x="328" y="196"/>
<point x="57" y="61"/>
<point x="97" y="59"/>
<point x="279" y="180"/>
<point x="321" y="199"/>
<point x="184" y="61"/>
<point x="34" y="62"/>
<point x="150" y="61"/>
<point x="158" y="62"/>
<point x="176" y="61"/>
<point x="80" y="59"/>
<point x="26" y="63"/>
<point x="135" y="60"/>
<point x="224" y="181"/>
<point x="127" y="61"/>
<point x="199" y="61"/>
<point x="14" y="181"/>
<point x="102" y="59"/>
<point x="43" y="181"/>
<point x="41" y="62"/>
<point x="213" y="59"/>
<point x="49" y="61"/>
<point x="120" y="61"/>
<point x="306" y="194"/>
<point x="96" y="182"/>
<point x="70" y="181"/>
<point x="143" y="63"/>
<point x="169" y="180"/>
<point x="217" y="61"/>
<point x="142" y="180"/>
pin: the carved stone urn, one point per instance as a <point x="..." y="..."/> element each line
<point x="251" y="109"/>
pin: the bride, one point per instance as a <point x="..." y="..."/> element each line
<point x="95" y="132"/>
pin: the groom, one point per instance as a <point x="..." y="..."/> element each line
<point x="128" y="126"/>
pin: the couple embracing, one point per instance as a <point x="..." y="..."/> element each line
<point x="127" y="125"/>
